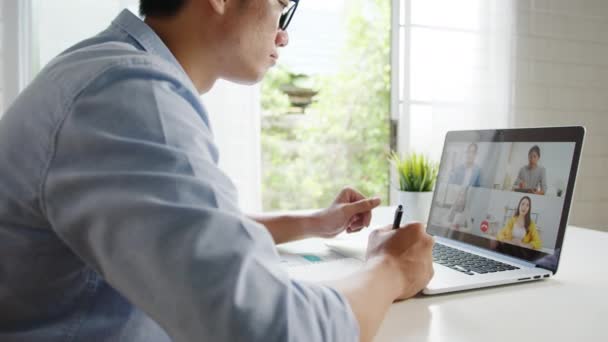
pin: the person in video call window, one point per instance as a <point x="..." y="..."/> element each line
<point x="520" y="229"/>
<point x="532" y="177"/>
<point x="456" y="218"/>
<point x="467" y="173"/>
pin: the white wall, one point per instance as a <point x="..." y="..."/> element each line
<point x="562" y="78"/>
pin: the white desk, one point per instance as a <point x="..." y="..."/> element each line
<point x="572" y="306"/>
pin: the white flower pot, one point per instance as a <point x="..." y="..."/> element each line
<point x="416" y="205"/>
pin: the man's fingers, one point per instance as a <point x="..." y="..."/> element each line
<point x="361" y="222"/>
<point x="362" y="206"/>
<point x="351" y="195"/>
<point x="354" y="221"/>
<point x="367" y="218"/>
<point x="351" y="221"/>
<point x="357" y="224"/>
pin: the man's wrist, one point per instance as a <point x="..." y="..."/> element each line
<point x="307" y="225"/>
<point x="312" y="224"/>
<point x="386" y="269"/>
<point x="286" y="228"/>
<point x="301" y="225"/>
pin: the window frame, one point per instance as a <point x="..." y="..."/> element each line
<point x="400" y="85"/>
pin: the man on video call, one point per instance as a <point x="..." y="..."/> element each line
<point x="116" y="223"/>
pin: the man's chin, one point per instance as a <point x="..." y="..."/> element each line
<point x="249" y="78"/>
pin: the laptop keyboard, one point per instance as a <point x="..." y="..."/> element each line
<point x="467" y="263"/>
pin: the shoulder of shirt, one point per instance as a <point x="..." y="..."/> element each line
<point x="78" y="68"/>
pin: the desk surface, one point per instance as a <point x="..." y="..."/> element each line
<point x="571" y="306"/>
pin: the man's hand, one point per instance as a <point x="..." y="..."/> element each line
<point x="350" y="211"/>
<point x="399" y="264"/>
<point x="410" y="250"/>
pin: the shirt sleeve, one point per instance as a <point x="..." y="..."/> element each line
<point x="133" y="189"/>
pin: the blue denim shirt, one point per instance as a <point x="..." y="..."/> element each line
<point x="116" y="223"/>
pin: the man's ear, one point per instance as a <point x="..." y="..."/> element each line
<point x="219" y="6"/>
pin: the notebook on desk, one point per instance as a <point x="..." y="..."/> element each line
<point x="507" y="225"/>
<point x="310" y="260"/>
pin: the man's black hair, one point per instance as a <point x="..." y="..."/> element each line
<point x="160" y="8"/>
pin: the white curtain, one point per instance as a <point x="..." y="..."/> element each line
<point x="454" y="70"/>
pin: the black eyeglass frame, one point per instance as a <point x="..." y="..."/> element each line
<point x="288" y="15"/>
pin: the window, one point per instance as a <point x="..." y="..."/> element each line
<point x="325" y="120"/>
<point x="450" y="69"/>
<point x="453" y="68"/>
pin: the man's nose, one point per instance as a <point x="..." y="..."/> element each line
<point x="282" y="39"/>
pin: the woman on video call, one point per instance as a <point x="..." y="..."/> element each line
<point x="520" y="229"/>
<point x="532" y="178"/>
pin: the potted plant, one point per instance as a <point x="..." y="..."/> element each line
<point x="417" y="176"/>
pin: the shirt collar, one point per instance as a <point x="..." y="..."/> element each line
<point x="144" y="36"/>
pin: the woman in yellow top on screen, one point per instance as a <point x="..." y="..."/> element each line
<point x="520" y="229"/>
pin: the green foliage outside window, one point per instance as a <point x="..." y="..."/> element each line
<point x="343" y="137"/>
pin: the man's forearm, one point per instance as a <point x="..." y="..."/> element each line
<point x="285" y="228"/>
<point x="370" y="293"/>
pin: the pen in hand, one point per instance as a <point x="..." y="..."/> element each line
<point x="398" y="214"/>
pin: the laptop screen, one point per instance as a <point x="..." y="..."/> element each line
<point x="507" y="196"/>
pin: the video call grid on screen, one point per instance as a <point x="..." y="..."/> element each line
<point x="481" y="184"/>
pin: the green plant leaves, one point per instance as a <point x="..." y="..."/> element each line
<point x="416" y="172"/>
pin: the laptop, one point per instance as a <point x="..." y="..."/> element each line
<point x="500" y="206"/>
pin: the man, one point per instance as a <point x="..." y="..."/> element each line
<point x="467" y="173"/>
<point x="116" y="223"/>
<point x="532" y="178"/>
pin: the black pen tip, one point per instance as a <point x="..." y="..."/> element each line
<point x="400" y="207"/>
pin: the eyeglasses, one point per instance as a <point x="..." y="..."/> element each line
<point x="288" y="14"/>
